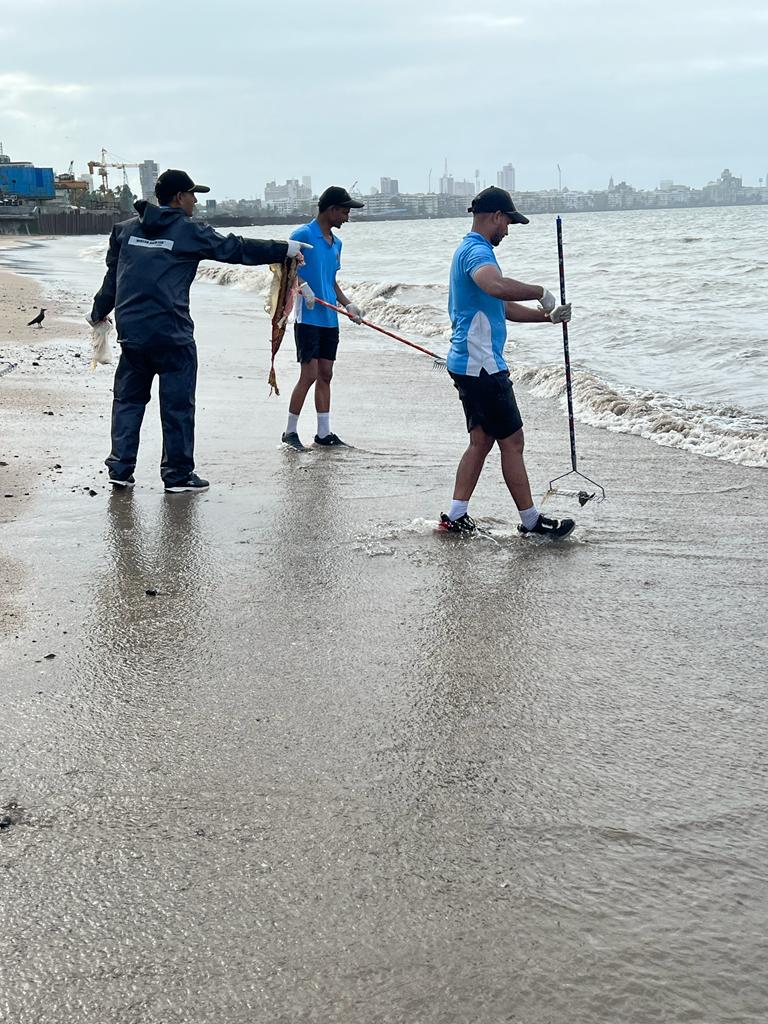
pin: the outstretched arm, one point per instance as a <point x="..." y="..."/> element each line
<point x="235" y="249"/>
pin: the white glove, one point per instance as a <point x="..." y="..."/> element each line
<point x="547" y="301"/>
<point x="295" y="247"/>
<point x="561" y="314"/>
<point x="307" y="294"/>
<point x="354" y="312"/>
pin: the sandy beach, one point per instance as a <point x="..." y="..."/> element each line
<point x="32" y="392"/>
<point x="281" y="753"/>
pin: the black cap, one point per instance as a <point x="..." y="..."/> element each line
<point x="335" y="195"/>
<point x="496" y="200"/>
<point x="171" y="181"/>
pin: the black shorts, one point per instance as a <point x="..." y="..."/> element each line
<point x="489" y="402"/>
<point x="314" y="342"/>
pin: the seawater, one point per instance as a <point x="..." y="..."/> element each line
<point x="668" y="340"/>
<point x="669" y="337"/>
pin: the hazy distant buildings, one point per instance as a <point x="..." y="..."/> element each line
<point x="446" y="181"/>
<point x="388" y="203"/>
<point x="421" y="204"/>
<point x="148" y="172"/>
<point x="288" y="198"/>
<point x="450" y="186"/>
<point x="726" y="189"/>
<point x="505" y="178"/>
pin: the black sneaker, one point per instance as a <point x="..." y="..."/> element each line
<point x="556" y="529"/>
<point x="192" y="483"/>
<point x="125" y="484"/>
<point x="293" y="441"/>
<point x="464" y="524"/>
<point x="331" y="441"/>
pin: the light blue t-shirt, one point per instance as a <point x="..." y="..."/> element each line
<point x="321" y="264"/>
<point x="479" y="327"/>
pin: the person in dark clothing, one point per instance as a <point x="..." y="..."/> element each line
<point x="151" y="263"/>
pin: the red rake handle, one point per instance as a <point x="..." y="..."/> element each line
<point x="375" y="327"/>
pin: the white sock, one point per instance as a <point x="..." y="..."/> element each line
<point x="458" y="509"/>
<point x="293" y="423"/>
<point x="529" y="516"/>
<point x="323" y="424"/>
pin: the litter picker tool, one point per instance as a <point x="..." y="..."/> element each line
<point x="437" y="361"/>
<point x="583" y="496"/>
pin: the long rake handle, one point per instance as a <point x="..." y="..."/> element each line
<point x="566" y="351"/>
<point x="381" y="330"/>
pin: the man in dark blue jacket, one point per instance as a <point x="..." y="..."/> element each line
<point x="151" y="264"/>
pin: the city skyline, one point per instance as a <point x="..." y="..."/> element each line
<point x="505" y="177"/>
<point x="642" y="92"/>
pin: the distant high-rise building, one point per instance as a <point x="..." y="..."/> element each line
<point x="306" y="181"/>
<point x="390" y="187"/>
<point x="505" y="178"/>
<point x="463" y="188"/>
<point x="288" y="197"/>
<point x="446" y="181"/>
<point x="148" y="172"/>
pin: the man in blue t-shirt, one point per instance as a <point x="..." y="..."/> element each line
<point x="317" y="328"/>
<point x="480" y="302"/>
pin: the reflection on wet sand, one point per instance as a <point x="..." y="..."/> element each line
<point x="147" y="616"/>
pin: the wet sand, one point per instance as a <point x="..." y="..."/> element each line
<point x="298" y="758"/>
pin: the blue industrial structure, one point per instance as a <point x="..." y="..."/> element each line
<point x="27" y="182"/>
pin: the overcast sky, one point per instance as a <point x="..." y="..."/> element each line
<point x="240" y="91"/>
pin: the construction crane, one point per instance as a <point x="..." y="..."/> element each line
<point x="102" y="165"/>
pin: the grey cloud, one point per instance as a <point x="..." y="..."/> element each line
<point x="248" y="92"/>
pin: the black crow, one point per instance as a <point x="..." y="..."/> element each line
<point x="38" y="319"/>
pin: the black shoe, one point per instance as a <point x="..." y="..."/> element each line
<point x="293" y="441"/>
<point x="556" y="529"/>
<point x="125" y="484"/>
<point x="331" y="441"/>
<point x="464" y="524"/>
<point x="192" y="483"/>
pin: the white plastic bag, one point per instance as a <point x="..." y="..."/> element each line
<point x="101" y="350"/>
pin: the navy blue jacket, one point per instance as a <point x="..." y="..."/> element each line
<point x="151" y="264"/>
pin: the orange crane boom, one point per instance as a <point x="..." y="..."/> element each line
<point x="103" y="164"/>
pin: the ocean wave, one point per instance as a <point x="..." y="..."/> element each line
<point x="725" y="432"/>
<point x="720" y="432"/>
<point x="422" y="319"/>
<point x="94" y="253"/>
<point x="252" y="279"/>
<point x="376" y="298"/>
